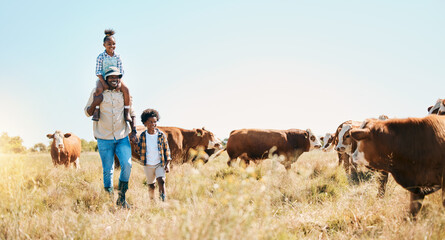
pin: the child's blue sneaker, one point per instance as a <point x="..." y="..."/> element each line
<point x="162" y="196"/>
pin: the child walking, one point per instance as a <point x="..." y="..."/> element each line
<point x="109" y="58"/>
<point x="154" y="153"/>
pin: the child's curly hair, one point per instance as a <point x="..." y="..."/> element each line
<point x="148" y="113"/>
<point x="108" y="34"/>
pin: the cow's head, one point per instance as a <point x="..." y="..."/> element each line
<point x="435" y="108"/>
<point x="207" y="139"/>
<point x="366" y="152"/>
<point x="313" y="140"/>
<point x="327" y="142"/>
<point x="383" y="117"/>
<point x="58" y="139"/>
<point x="442" y="108"/>
<point x="344" y="139"/>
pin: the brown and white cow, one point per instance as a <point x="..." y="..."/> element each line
<point x="411" y="149"/>
<point x="65" y="148"/>
<point x="345" y="145"/>
<point x="328" y="140"/>
<point x="255" y="144"/>
<point x="181" y="141"/>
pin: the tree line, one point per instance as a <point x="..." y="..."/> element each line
<point x="15" y="145"/>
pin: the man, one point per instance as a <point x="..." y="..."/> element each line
<point x="112" y="133"/>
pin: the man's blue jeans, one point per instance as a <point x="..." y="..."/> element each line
<point x="107" y="149"/>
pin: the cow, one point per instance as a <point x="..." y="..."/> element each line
<point x="344" y="145"/>
<point x="327" y="142"/>
<point x="65" y="149"/>
<point x="411" y="149"/>
<point x="182" y="141"/>
<point x="255" y="144"/>
<point x="434" y="109"/>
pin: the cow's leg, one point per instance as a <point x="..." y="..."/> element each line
<point x="245" y="159"/>
<point x="382" y="179"/>
<point x="443" y="186"/>
<point x="230" y="162"/>
<point x="340" y="159"/>
<point x="287" y="165"/>
<point x="416" y="203"/>
<point x="77" y="163"/>
<point x="345" y="158"/>
<point x="117" y="165"/>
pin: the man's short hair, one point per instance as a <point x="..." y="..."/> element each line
<point x="148" y="113"/>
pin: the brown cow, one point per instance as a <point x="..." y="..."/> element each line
<point x="182" y="140"/>
<point x="65" y="148"/>
<point x="255" y="144"/>
<point x="412" y="150"/>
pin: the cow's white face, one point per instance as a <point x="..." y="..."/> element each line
<point x="313" y="140"/>
<point x="436" y="106"/>
<point x="359" y="157"/>
<point x="215" y="144"/>
<point x="58" y="138"/>
<point x="344" y="139"/>
<point x="327" y="143"/>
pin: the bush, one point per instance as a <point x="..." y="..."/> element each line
<point x="11" y="144"/>
<point x="90" y="146"/>
<point x="39" y="147"/>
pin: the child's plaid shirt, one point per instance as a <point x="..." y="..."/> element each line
<point x="163" y="148"/>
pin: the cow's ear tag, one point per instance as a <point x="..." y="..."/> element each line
<point x="198" y="132"/>
<point x="306" y="134"/>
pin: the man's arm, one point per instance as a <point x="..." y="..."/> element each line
<point x="133" y="137"/>
<point x="93" y="101"/>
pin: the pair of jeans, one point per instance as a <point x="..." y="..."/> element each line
<point x="122" y="149"/>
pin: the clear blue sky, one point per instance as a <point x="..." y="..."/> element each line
<point x="224" y="65"/>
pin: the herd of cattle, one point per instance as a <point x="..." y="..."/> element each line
<point x="411" y="149"/>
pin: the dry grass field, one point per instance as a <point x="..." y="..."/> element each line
<point x="314" y="200"/>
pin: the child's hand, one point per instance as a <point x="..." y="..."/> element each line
<point x="133" y="138"/>
<point x="167" y="167"/>
<point x="136" y="147"/>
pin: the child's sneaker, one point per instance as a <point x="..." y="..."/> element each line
<point x="96" y="114"/>
<point x="162" y="196"/>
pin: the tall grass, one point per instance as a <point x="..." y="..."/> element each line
<point x="313" y="200"/>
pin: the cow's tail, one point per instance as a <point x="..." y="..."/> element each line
<point x="215" y="155"/>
